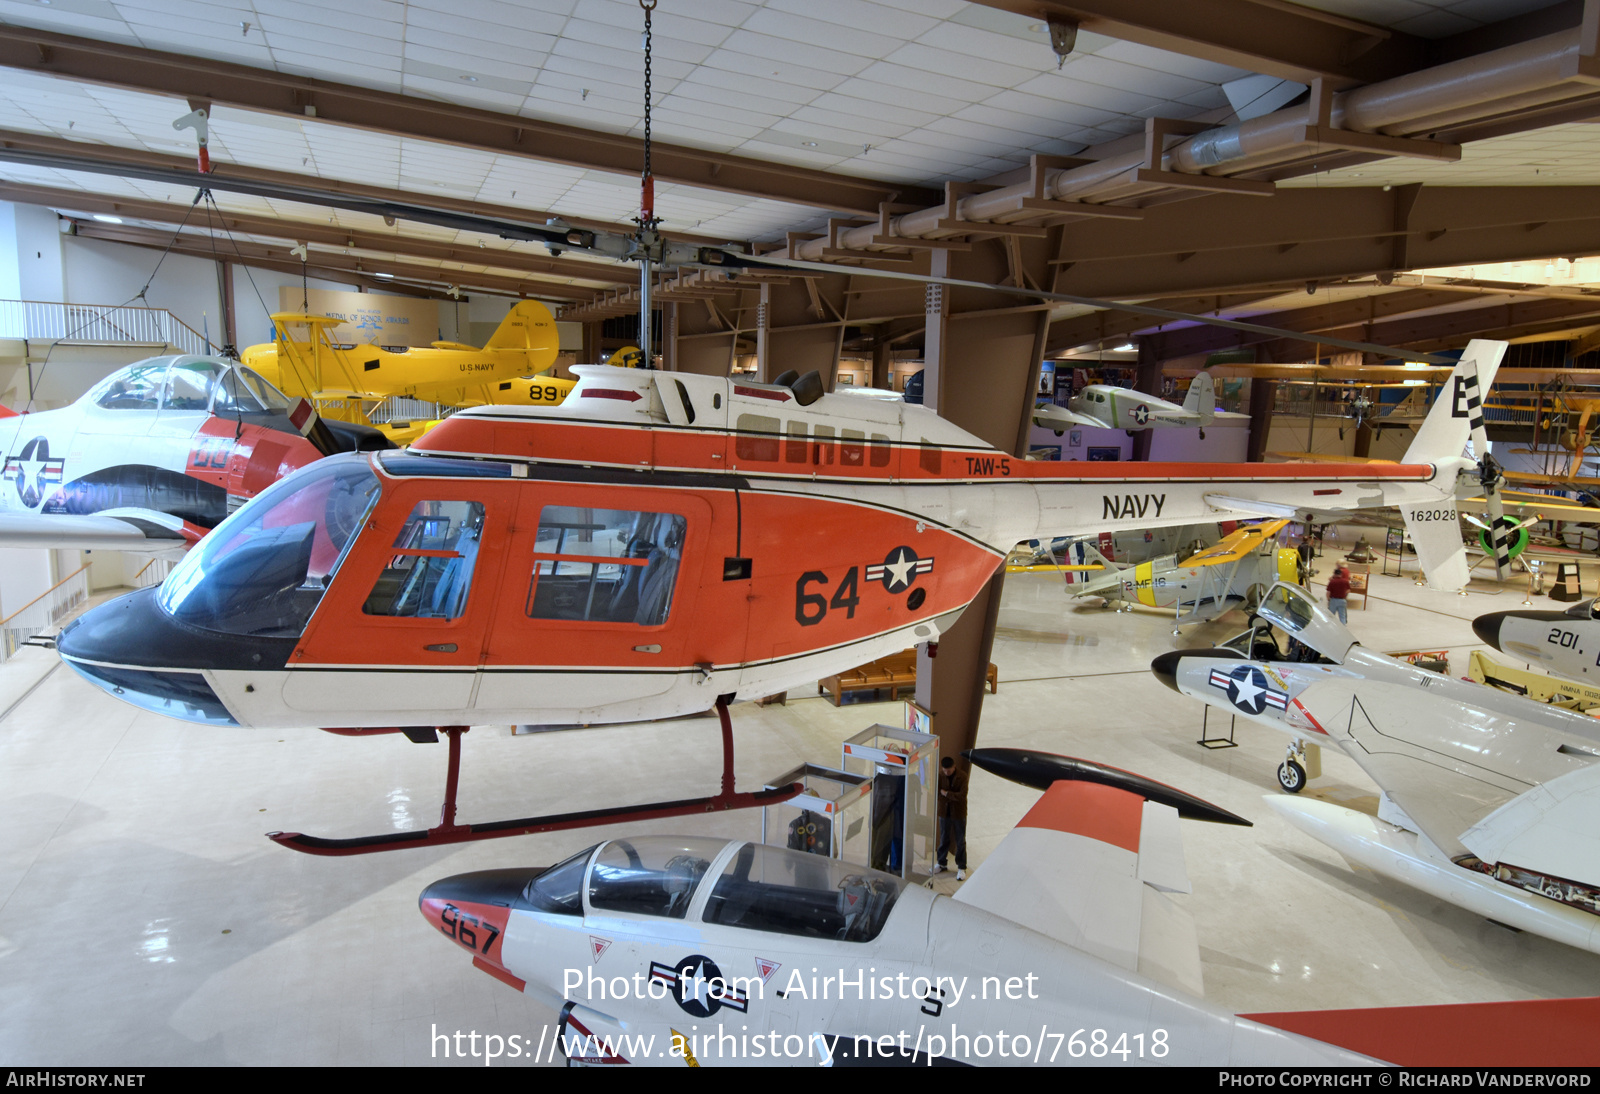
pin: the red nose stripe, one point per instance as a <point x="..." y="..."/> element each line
<point x="479" y="928"/>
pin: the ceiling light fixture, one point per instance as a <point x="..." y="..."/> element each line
<point x="808" y="144"/>
<point x="104" y="219"/>
<point x="470" y="79"/>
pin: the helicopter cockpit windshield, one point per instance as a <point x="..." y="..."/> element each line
<point x="263" y="571"/>
<point x="1313" y="633"/>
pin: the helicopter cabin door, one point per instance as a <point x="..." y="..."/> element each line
<point x="603" y="606"/>
<point x="403" y="626"/>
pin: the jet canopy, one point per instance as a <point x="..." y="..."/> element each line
<point x="215" y="385"/>
<point x="745" y="885"/>
<point x="1308" y="624"/>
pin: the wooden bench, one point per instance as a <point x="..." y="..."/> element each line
<point x="896" y="672"/>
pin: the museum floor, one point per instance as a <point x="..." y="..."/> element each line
<point x="145" y="920"/>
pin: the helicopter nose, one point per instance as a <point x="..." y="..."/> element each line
<point x="135" y="651"/>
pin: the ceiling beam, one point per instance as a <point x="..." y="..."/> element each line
<point x="1453" y="329"/>
<point x="301" y="97"/>
<point x="245" y="254"/>
<point x="77" y="201"/>
<point x="1322" y="235"/>
<point x="1190" y="341"/>
<point x="1104" y="325"/>
<point x="1283" y="40"/>
<point x="62" y="155"/>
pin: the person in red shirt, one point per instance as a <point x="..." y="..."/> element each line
<point x="1338" y="592"/>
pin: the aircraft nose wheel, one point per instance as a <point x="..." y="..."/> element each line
<point x="1291" y="776"/>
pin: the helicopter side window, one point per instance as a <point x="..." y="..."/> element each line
<point x="794" y="449"/>
<point x="137" y="388"/>
<point x="263" y="570"/>
<point x="605" y="565"/>
<point x="757" y="438"/>
<point x="879" y="452"/>
<point x="430" y="573"/>
<point x="796" y="893"/>
<point x="853" y="452"/>
<point x="650" y="876"/>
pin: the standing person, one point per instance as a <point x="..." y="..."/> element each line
<point x="952" y="818"/>
<point x="1338" y="592"/>
<point x="1307" y="553"/>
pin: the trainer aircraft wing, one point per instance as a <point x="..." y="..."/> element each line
<point x="1240" y="544"/>
<point x="1088" y="866"/>
<point x="109" y="530"/>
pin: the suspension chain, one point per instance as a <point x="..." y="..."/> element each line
<point x="647" y="195"/>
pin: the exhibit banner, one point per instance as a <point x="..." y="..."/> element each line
<point x="368" y="318"/>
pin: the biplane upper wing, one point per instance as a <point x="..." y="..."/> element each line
<point x="1239" y="544"/>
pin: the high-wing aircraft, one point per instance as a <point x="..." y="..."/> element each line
<point x="1063" y="948"/>
<point x="1209" y="583"/>
<point x="1567" y="643"/>
<point x="152" y="457"/>
<point x="1489" y="800"/>
<point x="304" y="361"/>
<point x="657" y="545"/>
<point x="1105" y="406"/>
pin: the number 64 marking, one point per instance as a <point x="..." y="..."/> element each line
<point x="812" y="608"/>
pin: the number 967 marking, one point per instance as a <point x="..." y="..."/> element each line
<point x="465" y="928"/>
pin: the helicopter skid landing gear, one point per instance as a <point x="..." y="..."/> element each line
<point x="1292" y="772"/>
<point x="448" y="831"/>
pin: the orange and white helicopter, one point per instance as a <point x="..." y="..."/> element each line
<point x="658" y="544"/>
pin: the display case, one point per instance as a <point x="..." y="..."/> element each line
<point x="832" y="816"/>
<point x="903" y="766"/>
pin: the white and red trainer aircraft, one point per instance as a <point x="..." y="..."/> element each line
<point x="656" y="545"/>
<point x="1063" y="948"/>
<point x="152" y="457"/>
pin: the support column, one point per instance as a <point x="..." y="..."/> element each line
<point x="590" y="353"/>
<point x="1263" y="393"/>
<point x="800" y="326"/>
<point x="982" y="353"/>
<point x="882" y="354"/>
<point x="230" y="332"/>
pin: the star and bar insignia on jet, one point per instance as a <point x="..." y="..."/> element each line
<point x="1248" y="689"/>
<point x="699" y="987"/>
<point x="899" y="569"/>
<point x="34" y="471"/>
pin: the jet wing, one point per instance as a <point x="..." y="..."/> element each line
<point x="1402" y="739"/>
<point x="1239" y="544"/>
<point x="111" y="530"/>
<point x="1088" y="866"/>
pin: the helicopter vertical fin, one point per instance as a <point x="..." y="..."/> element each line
<point x="1448" y="426"/>
<point x="1457" y="413"/>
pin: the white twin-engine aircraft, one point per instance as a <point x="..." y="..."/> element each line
<point x="1063" y="948"/>
<point x="1490" y="801"/>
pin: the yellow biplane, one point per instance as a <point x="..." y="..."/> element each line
<point x="344" y="381"/>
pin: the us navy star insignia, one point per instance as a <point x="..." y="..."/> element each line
<point x="899" y="569"/>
